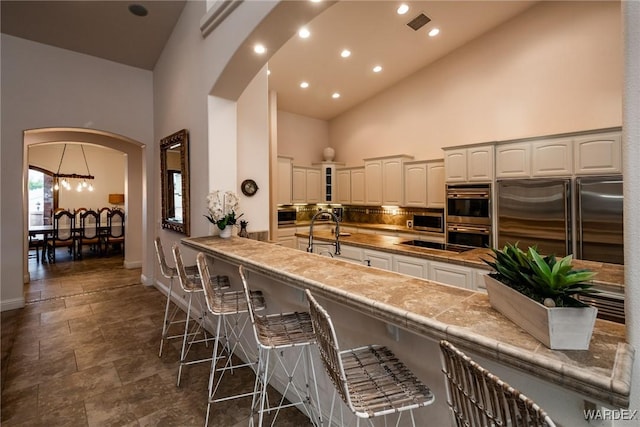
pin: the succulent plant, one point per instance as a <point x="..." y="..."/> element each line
<point x="541" y="278"/>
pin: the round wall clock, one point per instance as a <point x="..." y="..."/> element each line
<point x="249" y="187"/>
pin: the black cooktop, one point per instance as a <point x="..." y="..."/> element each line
<point x="434" y="245"/>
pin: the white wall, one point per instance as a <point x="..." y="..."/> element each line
<point x="302" y="138"/>
<point x="106" y="165"/>
<point x="555" y="68"/>
<point x="44" y="86"/>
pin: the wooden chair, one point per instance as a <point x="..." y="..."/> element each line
<point x="371" y="380"/>
<point x="476" y="397"/>
<point x="37" y="244"/>
<point x="63" y="234"/>
<point x="115" y="233"/>
<point x="89" y="232"/>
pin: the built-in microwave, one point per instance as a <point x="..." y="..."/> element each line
<point x="286" y="216"/>
<point x="469" y="204"/>
<point x="429" y="221"/>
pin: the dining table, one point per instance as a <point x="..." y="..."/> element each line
<point x="45" y="231"/>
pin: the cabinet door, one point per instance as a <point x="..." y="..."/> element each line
<point x="284" y="181"/>
<point x="415" y="267"/>
<point x="314" y="186"/>
<point x="373" y="182"/>
<point x="552" y="158"/>
<point x="455" y="165"/>
<point x="415" y="184"/>
<point x="392" y="181"/>
<point x="435" y="185"/>
<point x="598" y="154"/>
<point x="378" y="259"/>
<point x="299" y="185"/>
<point x="287" y="237"/>
<point x="513" y="160"/>
<point x="480" y="163"/>
<point x="343" y="194"/>
<point x="351" y="253"/>
<point x="357" y="186"/>
<point x="451" y="274"/>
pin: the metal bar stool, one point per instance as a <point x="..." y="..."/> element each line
<point x="192" y="286"/>
<point x="371" y="380"/>
<point x="169" y="273"/>
<point x="276" y="333"/>
<point x="232" y="312"/>
<point x="476" y="397"/>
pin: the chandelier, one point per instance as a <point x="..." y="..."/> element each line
<point x="73" y="180"/>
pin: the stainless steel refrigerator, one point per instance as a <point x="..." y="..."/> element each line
<point x="540" y="212"/>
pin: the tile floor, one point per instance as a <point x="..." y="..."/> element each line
<point x="84" y="352"/>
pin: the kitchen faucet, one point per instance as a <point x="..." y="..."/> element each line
<point x="320" y="214"/>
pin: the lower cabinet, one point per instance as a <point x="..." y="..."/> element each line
<point x="351" y="253"/>
<point x="378" y="259"/>
<point x="287" y="237"/>
<point x="416" y="267"/>
<point x="451" y="274"/>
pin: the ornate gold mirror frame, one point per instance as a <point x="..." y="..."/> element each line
<point x="174" y="170"/>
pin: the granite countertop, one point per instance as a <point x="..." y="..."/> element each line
<point x="438" y="311"/>
<point x="610" y="276"/>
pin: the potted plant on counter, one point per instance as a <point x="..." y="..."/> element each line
<point x="538" y="294"/>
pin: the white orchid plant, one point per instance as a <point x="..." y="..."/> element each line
<point x="222" y="208"/>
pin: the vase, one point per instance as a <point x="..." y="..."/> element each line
<point x="559" y="328"/>
<point x="225" y="233"/>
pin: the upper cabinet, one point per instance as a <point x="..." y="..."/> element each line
<point x="551" y="157"/>
<point x="284" y="180"/>
<point x="424" y="184"/>
<point x="598" y="154"/>
<point x="358" y="186"/>
<point x="306" y="185"/>
<point x="384" y="180"/>
<point x="472" y="164"/>
<point x="350" y="186"/>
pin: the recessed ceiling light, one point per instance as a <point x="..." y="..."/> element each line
<point x="377" y="69"/>
<point x="258" y="48"/>
<point x="138" y="9"/>
<point x="345" y="53"/>
<point x="402" y="9"/>
<point x="304" y="85"/>
<point x="304" y="33"/>
<point x="336" y="95"/>
<point x="268" y="72"/>
<point x="434" y="32"/>
<point x="316" y="1"/>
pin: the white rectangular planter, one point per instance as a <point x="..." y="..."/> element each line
<point x="559" y="328"/>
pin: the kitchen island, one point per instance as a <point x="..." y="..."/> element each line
<point x="418" y="313"/>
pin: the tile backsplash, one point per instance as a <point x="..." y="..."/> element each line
<point x="366" y="214"/>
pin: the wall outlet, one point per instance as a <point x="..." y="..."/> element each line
<point x="409" y="223"/>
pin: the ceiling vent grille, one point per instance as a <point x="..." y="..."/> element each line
<point x="419" y="21"/>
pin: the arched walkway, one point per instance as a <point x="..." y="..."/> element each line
<point x="135" y="183"/>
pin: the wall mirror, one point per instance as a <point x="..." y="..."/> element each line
<point x="174" y="170"/>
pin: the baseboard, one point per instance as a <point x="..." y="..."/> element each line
<point x="26" y="278"/>
<point x="132" y="264"/>
<point x="12" y="304"/>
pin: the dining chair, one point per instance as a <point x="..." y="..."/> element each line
<point x="289" y="338"/>
<point x="37" y="244"/>
<point x="230" y="348"/>
<point x="115" y="230"/>
<point x="63" y="234"/>
<point x="478" y="398"/>
<point x="371" y="380"/>
<point x="89" y="232"/>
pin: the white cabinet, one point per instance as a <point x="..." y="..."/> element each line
<point x="384" y="180"/>
<point x="598" y="154"/>
<point x="358" y="186"/>
<point x="416" y="267"/>
<point x="378" y="259"/>
<point x="415" y="184"/>
<point x="287" y="237"/>
<point x="306" y="185"/>
<point x="473" y="164"/>
<point x="451" y="274"/>
<point x="513" y="160"/>
<point x="284" y="180"/>
<point x="351" y="253"/>
<point x="552" y="157"/>
<point x="329" y="181"/>
<point x="435" y="184"/>
<point x="343" y="184"/>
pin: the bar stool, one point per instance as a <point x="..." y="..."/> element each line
<point x="276" y="333"/>
<point x="371" y="380"/>
<point x="169" y="273"/>
<point x="228" y="307"/>
<point x="192" y="286"/>
<point x="476" y="397"/>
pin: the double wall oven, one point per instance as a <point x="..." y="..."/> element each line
<point x="469" y="215"/>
